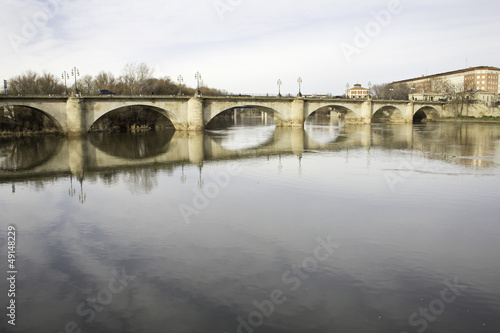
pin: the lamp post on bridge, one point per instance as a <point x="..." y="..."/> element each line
<point x="347" y="90"/>
<point x="65" y="76"/>
<point x="299" y="81"/>
<point x="197" y="76"/>
<point x="75" y="72"/>
<point x="369" y="89"/>
<point x="279" y="87"/>
<point x="180" y="79"/>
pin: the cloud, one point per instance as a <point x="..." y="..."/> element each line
<point x="253" y="43"/>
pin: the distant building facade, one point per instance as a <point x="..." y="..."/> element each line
<point x="483" y="78"/>
<point x="358" y="92"/>
<point x="428" y="97"/>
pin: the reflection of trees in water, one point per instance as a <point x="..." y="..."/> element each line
<point x="132" y="146"/>
<point x="392" y="136"/>
<point x="109" y="178"/>
<point x="453" y="140"/>
<point x="27" y="152"/>
<point x="140" y="181"/>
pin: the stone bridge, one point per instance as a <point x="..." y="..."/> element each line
<point x="76" y="115"/>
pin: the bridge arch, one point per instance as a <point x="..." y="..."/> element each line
<point x="388" y="114"/>
<point x="100" y="114"/>
<point x="215" y="110"/>
<point x="426" y="113"/>
<point x="57" y="121"/>
<point x="345" y="112"/>
<point x="214" y="122"/>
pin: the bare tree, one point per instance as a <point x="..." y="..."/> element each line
<point x="34" y="84"/>
<point x="380" y="91"/>
<point x="49" y="84"/>
<point x="105" y="80"/>
<point x="398" y="91"/>
<point x="135" y="78"/>
<point x="87" y="85"/>
<point x="460" y="95"/>
<point x="163" y="86"/>
<point x="464" y="94"/>
<point x="24" y="83"/>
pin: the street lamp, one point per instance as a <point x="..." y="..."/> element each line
<point x="347" y="90"/>
<point x="180" y="79"/>
<point x="369" y="88"/>
<point x="279" y="87"/>
<point x="299" y="81"/>
<point x="391" y="90"/>
<point x="75" y="72"/>
<point x="197" y="76"/>
<point x="65" y="76"/>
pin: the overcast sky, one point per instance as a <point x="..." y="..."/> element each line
<point x="245" y="46"/>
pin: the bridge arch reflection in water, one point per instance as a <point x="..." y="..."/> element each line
<point x="51" y="156"/>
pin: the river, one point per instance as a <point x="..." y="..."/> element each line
<point x="252" y="228"/>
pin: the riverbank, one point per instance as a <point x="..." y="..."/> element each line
<point x="470" y="119"/>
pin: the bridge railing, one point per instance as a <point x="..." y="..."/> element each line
<point x="227" y="96"/>
<point x="32" y="96"/>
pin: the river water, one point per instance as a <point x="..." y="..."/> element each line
<point x="369" y="228"/>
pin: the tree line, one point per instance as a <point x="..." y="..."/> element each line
<point x="135" y="79"/>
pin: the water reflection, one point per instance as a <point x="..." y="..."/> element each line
<point x="474" y="145"/>
<point x="255" y="231"/>
<point x="132" y="147"/>
<point x="243" y="138"/>
<point x="243" y="132"/>
<point x="27" y="152"/>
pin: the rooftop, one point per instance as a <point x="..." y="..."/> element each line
<point x="450" y="73"/>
